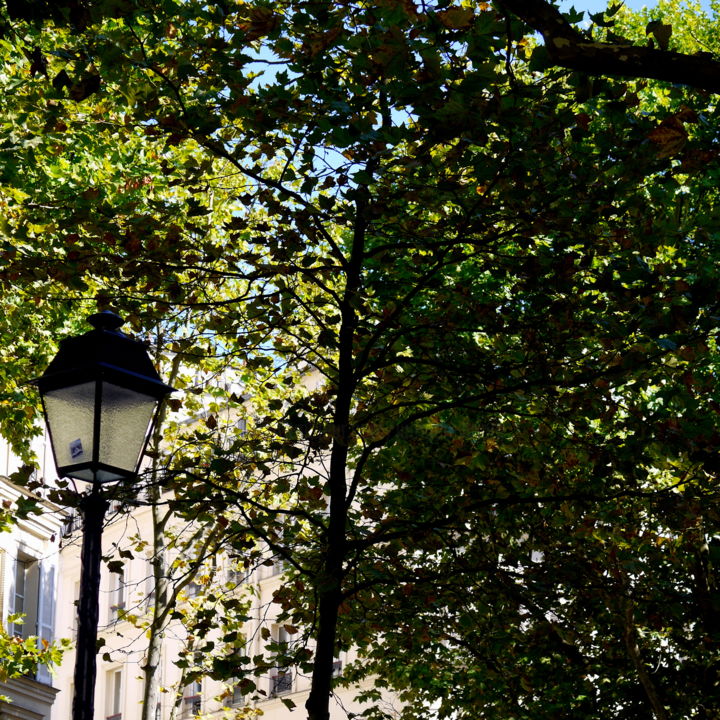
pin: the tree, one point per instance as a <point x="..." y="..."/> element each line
<point x="497" y="270"/>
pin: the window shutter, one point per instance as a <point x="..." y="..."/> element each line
<point x="46" y="611"/>
<point x="9" y="572"/>
<point x="4" y="589"/>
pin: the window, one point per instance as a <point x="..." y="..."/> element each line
<point x="282" y="635"/>
<point x="114" y="695"/>
<point x="236" y="574"/>
<point x="192" y="700"/>
<point x="32" y="595"/>
<point x="235" y="696"/>
<point x="73" y="523"/>
<point x="281" y="678"/>
<point x="18" y="596"/>
<point x="117" y="595"/>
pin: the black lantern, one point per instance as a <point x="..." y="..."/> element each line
<point x="100" y="396"/>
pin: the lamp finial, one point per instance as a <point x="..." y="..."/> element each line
<point x="106" y="320"/>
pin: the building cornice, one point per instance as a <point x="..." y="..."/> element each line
<point x="42" y="525"/>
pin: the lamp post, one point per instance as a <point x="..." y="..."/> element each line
<point x="100" y="396"/>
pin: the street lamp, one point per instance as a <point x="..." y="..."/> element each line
<point x="100" y="395"/>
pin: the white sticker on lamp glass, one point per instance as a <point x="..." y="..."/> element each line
<point x="76" y="449"/>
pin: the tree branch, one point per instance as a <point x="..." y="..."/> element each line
<point x="568" y="48"/>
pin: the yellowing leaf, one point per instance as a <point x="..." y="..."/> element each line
<point x="262" y="21"/>
<point x="669" y="137"/>
<point x="319" y="41"/>
<point x="15" y="193"/>
<point x="457" y="18"/>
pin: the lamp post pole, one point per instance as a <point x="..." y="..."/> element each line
<point x="93" y="507"/>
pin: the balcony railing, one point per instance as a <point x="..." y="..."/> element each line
<point x="281" y="683"/>
<point x="192" y="706"/>
<point x="72" y="523"/>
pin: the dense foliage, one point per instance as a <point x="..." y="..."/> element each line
<point x="466" y="298"/>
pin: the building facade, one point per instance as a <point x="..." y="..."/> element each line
<point x="29" y="573"/>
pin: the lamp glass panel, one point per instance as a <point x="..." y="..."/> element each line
<point x="70" y="412"/>
<point x="125" y="420"/>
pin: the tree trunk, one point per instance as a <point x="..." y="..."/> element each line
<point x="151" y="668"/>
<point x="329" y="580"/>
<point x="160" y="575"/>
